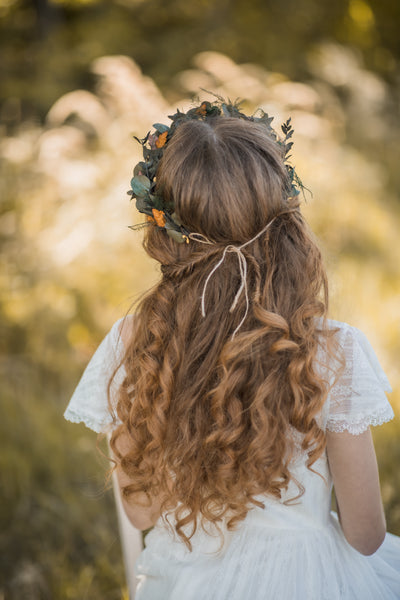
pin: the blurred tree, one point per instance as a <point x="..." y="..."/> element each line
<point x="57" y="178"/>
<point x="46" y="46"/>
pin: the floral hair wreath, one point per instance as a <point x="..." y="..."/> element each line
<point x="143" y="182"/>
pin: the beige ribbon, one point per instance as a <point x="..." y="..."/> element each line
<point x="198" y="237"/>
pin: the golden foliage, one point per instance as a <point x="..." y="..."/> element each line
<point x="71" y="267"/>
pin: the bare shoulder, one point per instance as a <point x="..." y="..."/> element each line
<point x="126" y="329"/>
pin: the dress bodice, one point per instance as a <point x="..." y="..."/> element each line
<point x="293" y="548"/>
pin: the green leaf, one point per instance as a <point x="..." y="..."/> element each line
<point x="175" y="235"/>
<point x="176" y="219"/>
<point x="143" y="206"/>
<point x="160" y="127"/>
<point x="157" y="201"/>
<point x="140" y="185"/>
<point x="225" y="110"/>
<point x="140" y="169"/>
<point x="146" y="153"/>
<point x="143" y="140"/>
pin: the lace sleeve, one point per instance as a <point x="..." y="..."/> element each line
<point x="358" y="400"/>
<point x="89" y="402"/>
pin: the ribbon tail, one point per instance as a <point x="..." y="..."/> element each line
<point x="211" y="273"/>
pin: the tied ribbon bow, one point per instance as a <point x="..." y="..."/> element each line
<point x="242" y="261"/>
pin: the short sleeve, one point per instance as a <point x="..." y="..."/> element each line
<point x="89" y="402"/>
<point x="357" y="399"/>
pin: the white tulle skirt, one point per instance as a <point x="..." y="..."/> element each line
<point x="268" y="563"/>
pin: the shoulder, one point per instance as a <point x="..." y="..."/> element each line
<point x="353" y="341"/>
<point x="358" y="384"/>
<point x="336" y="343"/>
<point x="123" y="330"/>
<point x="358" y="351"/>
<point x="99" y="384"/>
<point x="346" y="330"/>
<point x="120" y="333"/>
<point x="342" y="329"/>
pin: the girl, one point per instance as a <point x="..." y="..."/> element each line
<point x="234" y="404"/>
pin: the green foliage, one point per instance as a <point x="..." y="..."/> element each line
<point x="63" y="38"/>
<point x="70" y="267"/>
<point x="388" y="453"/>
<point x="46" y="48"/>
<point x="140" y="185"/>
<point x="59" y="533"/>
<point x="143" y="187"/>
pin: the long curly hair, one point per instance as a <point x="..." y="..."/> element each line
<point x="209" y="416"/>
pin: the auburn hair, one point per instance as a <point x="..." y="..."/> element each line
<point x="209" y="417"/>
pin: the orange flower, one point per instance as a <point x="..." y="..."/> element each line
<point x="162" y="138"/>
<point x="149" y="218"/>
<point x="159" y="217"/>
<point x="202" y="110"/>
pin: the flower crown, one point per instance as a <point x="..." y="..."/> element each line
<point x="143" y="182"/>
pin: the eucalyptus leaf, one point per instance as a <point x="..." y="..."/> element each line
<point x="146" y="153"/>
<point x="169" y="206"/>
<point x="160" y="127"/>
<point x="169" y="224"/>
<point x="140" y="169"/>
<point x="157" y="201"/>
<point x="176" y="219"/>
<point x="175" y="235"/>
<point x="140" y="185"/>
<point x="214" y="111"/>
<point x="143" y="206"/>
<point x="225" y="110"/>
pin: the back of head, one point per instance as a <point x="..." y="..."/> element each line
<point x="225" y="176"/>
<point x="215" y="393"/>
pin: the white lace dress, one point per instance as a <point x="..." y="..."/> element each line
<point x="282" y="552"/>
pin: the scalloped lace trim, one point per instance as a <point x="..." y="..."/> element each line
<point x="90" y="422"/>
<point x="357" y="425"/>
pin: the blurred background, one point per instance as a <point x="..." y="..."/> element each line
<point x="79" y="78"/>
